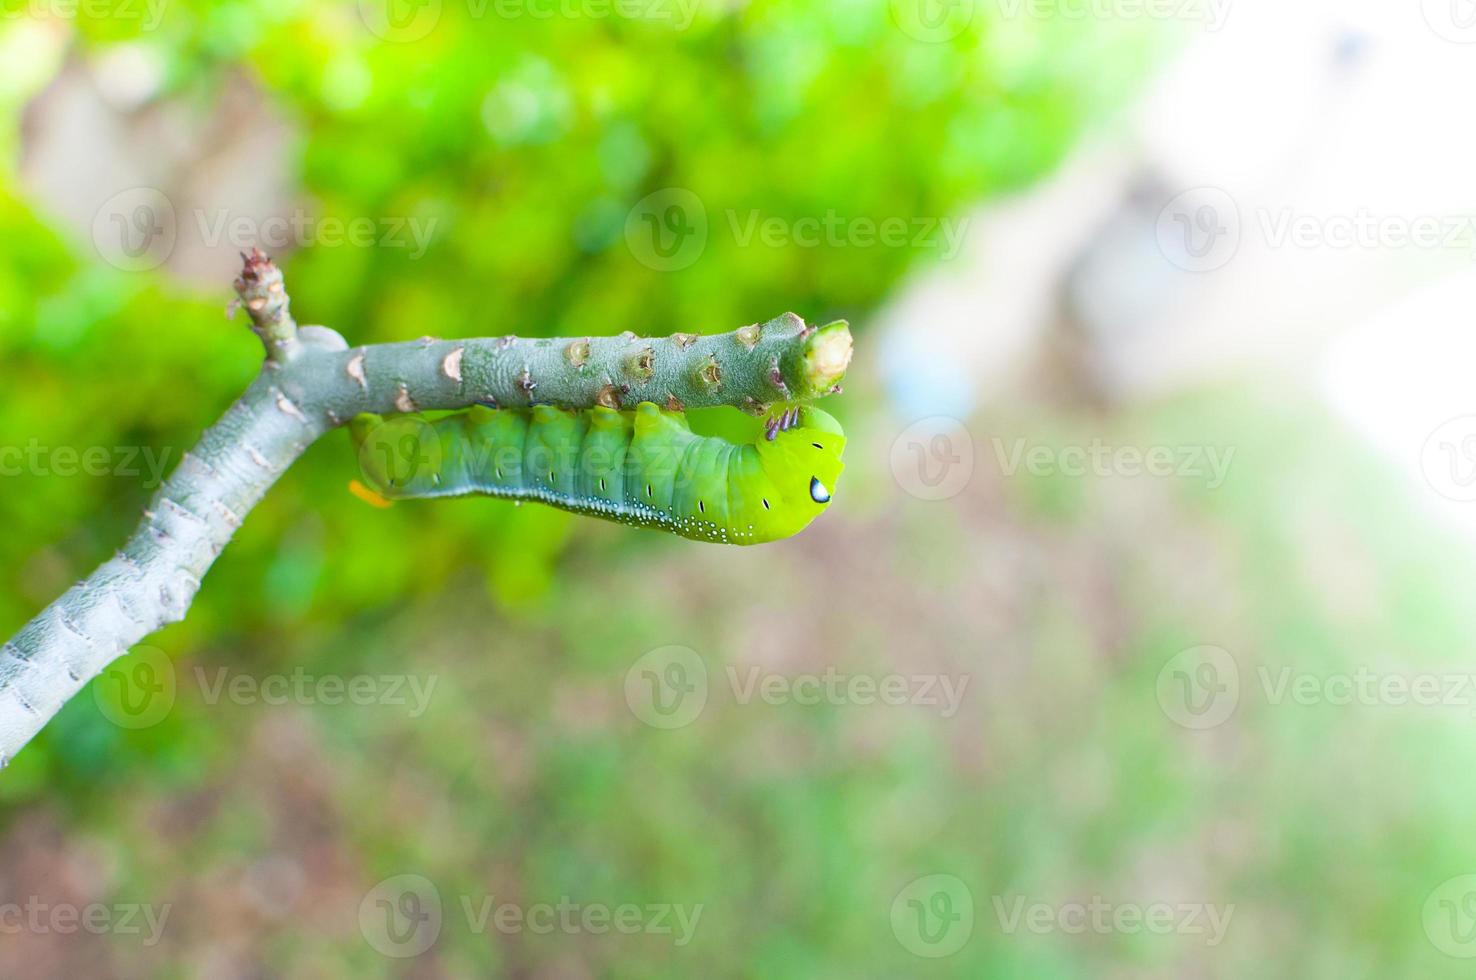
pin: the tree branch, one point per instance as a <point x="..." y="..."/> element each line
<point x="311" y="383"/>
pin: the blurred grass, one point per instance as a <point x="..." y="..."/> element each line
<point x="529" y="778"/>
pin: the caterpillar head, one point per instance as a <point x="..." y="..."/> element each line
<point x="804" y="463"/>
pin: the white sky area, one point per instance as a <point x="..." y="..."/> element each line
<point x="1322" y="111"/>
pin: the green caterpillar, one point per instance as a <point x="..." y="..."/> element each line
<point x="645" y="467"/>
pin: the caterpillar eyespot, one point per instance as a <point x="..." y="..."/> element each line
<point x="738" y="487"/>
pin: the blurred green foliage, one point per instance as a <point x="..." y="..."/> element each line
<point x="528" y="142"/>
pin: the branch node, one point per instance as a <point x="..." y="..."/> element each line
<point x="710" y="374"/>
<point x="577" y="353"/>
<point x="265" y="297"/>
<point x="451" y="366"/>
<point x="355" y="369"/>
<point x="287" y="406"/>
<point x="641" y="365"/>
<point x="827" y="355"/>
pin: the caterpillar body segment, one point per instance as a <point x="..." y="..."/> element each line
<point x="644" y="467"/>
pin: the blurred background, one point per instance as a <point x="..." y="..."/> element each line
<point x="1138" y="643"/>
